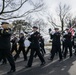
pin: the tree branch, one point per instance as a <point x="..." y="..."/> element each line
<point x="8" y="3"/>
<point x="23" y="15"/>
<point x="52" y="21"/>
<point x="2" y="7"/>
<point x="17" y="8"/>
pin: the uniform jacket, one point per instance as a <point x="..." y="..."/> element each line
<point x="34" y="38"/>
<point x="14" y="42"/>
<point x="21" y="41"/>
<point x="5" y="38"/>
<point x="68" y="37"/>
<point x="56" y="39"/>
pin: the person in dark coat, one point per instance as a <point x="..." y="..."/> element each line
<point x="34" y="38"/>
<point x="56" y="45"/>
<point x="14" y="42"/>
<point x="68" y="42"/>
<point x="74" y="43"/>
<point x="5" y="45"/>
<point x="21" y="47"/>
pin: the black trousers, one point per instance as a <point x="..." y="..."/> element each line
<point x="28" y="50"/>
<point x="4" y="59"/>
<point x="54" y="50"/>
<point x="63" y="46"/>
<point x="66" y="49"/>
<point x="43" y="49"/>
<point x="14" y="47"/>
<point x="33" y="50"/>
<point x="24" y="53"/>
<point x="7" y="54"/>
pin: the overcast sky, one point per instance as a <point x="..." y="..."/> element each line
<point x="52" y="4"/>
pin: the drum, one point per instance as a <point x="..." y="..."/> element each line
<point x="27" y="43"/>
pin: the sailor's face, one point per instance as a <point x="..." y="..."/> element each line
<point x="67" y="30"/>
<point x="56" y="30"/>
<point x="4" y="26"/>
<point x="21" y="35"/>
<point x="34" y="29"/>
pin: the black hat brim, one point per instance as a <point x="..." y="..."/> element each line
<point x="4" y="23"/>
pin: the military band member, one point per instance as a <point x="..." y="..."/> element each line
<point x="74" y="43"/>
<point x="21" y="47"/>
<point x="35" y="47"/>
<point x="5" y="45"/>
<point x="68" y="42"/>
<point x="56" y="44"/>
<point x="14" y="42"/>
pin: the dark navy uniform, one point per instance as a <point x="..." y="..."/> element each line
<point x="68" y="44"/>
<point x="74" y="43"/>
<point x="56" y="45"/>
<point x="14" y="44"/>
<point x="5" y="47"/>
<point x="21" y="48"/>
<point x="35" y="48"/>
<point x="28" y="49"/>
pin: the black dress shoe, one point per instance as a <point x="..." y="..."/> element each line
<point x="43" y="63"/>
<point x="50" y="59"/>
<point x="70" y="56"/>
<point x="3" y="63"/>
<point x="25" y="59"/>
<point x="27" y="66"/>
<point x="11" y="71"/>
<point x="60" y="59"/>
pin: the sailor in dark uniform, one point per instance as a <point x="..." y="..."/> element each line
<point x="5" y="45"/>
<point x="74" y="43"/>
<point x="68" y="42"/>
<point x="14" y="42"/>
<point x="21" y="47"/>
<point x="34" y="38"/>
<point x="56" y="44"/>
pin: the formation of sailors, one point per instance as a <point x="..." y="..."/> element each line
<point x="36" y="47"/>
<point x="68" y="43"/>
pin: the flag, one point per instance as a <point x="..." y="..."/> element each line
<point x="72" y="31"/>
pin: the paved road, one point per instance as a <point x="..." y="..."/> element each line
<point x="65" y="67"/>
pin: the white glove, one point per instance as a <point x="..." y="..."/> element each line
<point x="52" y="32"/>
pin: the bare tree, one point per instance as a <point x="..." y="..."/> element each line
<point x="9" y="8"/>
<point x="52" y="21"/>
<point x="63" y="16"/>
<point x="63" y="11"/>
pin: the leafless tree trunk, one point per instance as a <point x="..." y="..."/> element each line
<point x="63" y="11"/>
